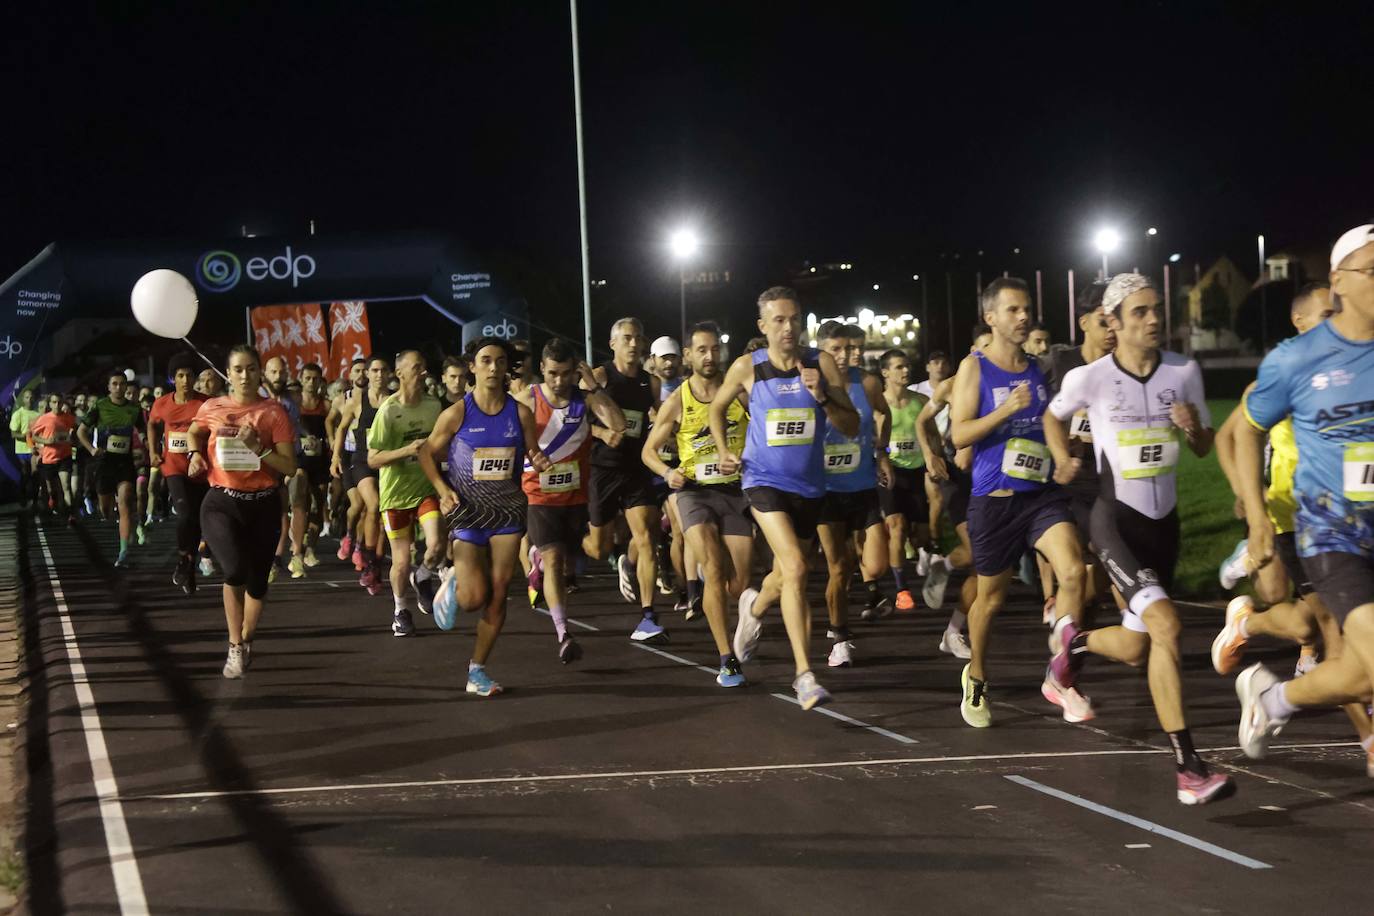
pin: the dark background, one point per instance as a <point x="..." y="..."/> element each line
<point x="787" y="134"/>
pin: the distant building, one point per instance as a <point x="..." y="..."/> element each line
<point x="1229" y="287"/>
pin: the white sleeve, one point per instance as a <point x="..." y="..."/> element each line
<point x="1072" y="396"/>
<point x="1194" y="395"/>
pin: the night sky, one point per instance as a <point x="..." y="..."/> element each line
<point x="783" y="132"/>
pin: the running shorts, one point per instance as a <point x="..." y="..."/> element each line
<point x="804" y="511"/>
<point x="1001" y="528"/>
<point x="550" y="526"/>
<point x="857" y="511"/>
<point x="611" y="491"/>
<point x="111" y="471"/>
<point x="1343" y="581"/>
<point x="1139" y="554"/>
<point x="906" y="496"/>
<point x="723" y="505"/>
<point x="955" y="492"/>
<point x="1286" y="548"/>
<point x="399" y="523"/>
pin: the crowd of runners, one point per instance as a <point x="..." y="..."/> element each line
<point x="708" y="485"/>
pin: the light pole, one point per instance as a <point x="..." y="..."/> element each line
<point x="1106" y="240"/>
<point x="1264" y="299"/>
<point x="683" y="243"/>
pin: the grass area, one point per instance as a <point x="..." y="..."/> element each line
<point x="1210" y="528"/>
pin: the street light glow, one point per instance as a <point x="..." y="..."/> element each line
<point x="725" y="338"/>
<point x="915" y="276"/>
<point x="1175" y="258"/>
<point x="1152" y="231"/>
<point x="1107" y="240"/>
<point x="875" y="286"/>
<point x="683" y="243"/>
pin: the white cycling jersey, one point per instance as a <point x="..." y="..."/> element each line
<point x="1136" y="444"/>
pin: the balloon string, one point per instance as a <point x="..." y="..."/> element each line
<point x="187" y="341"/>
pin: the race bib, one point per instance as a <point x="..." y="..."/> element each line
<point x="232" y="455"/>
<point x="61" y="436"/>
<point x="492" y="463"/>
<point x="902" y="448"/>
<point x="710" y="472"/>
<point x="178" y="443"/>
<point x="1025" y="459"/>
<point x="841" y="457"/>
<point x="667" y="453"/>
<point x="1080" y="428"/>
<point x="1359" y="471"/>
<point x="310" y="446"/>
<point x="791" y="425"/>
<point x="1146" y="452"/>
<point x="563" y="477"/>
<point x="634" y="423"/>
<point x="117" y="445"/>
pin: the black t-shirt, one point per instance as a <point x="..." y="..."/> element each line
<point x="635" y="397"/>
<point x="1057" y="363"/>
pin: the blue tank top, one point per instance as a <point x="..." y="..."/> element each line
<point x="486" y="458"/>
<point x="849" y="464"/>
<point x="785" y="447"/>
<point x="1013" y="456"/>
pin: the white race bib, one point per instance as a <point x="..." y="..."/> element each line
<point x="841" y="457"/>
<point x="232" y="455"/>
<point x="563" y="477"/>
<point x="634" y="423"/>
<point x="1080" y="428"/>
<point x="117" y="445"/>
<point x="791" y="425"/>
<point x="901" y="448"/>
<point x="310" y="446"/>
<point x="492" y="463"/>
<point x="1026" y="459"/>
<point x="1358" y="469"/>
<point x="1146" y="452"/>
<point x="178" y="443"/>
<point x="710" y="472"/>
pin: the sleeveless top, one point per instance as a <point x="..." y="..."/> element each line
<point x="902" y="448"/>
<point x="849" y="462"/>
<point x="366" y="414"/>
<point x="311" y="442"/>
<point x="565" y="436"/>
<point x="696" y="448"/>
<point x="635" y="397"/>
<point x="484" y="467"/>
<point x="785" y="447"/>
<point x="1013" y="456"/>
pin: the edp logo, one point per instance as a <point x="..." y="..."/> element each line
<point x="11" y="347"/>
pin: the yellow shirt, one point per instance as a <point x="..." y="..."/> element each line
<point x="1283" y="464"/>
<point x="696" y="448"/>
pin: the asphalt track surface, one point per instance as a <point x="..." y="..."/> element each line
<point x="350" y="773"/>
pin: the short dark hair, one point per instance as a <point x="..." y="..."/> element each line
<point x="854" y="332"/>
<point x="558" y="350"/>
<point x="455" y="362"/>
<point x="831" y="330"/>
<point x="113" y="373"/>
<point x="703" y="327"/>
<point x="996" y="287"/>
<point x="933" y="355"/>
<point x="181" y="361"/>
<point x="1037" y="326"/>
<point x="358" y="362"/>
<point x="889" y="355"/>
<point x="482" y="343"/>
<point x="979" y="330"/>
<point x="1089" y="299"/>
<point x="378" y="358"/>
<point x="1308" y="289"/>
<point x="312" y="367"/>
<point x="777" y="294"/>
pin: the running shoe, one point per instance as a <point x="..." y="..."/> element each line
<point x="1368" y="745"/>
<point x="537" y="600"/>
<point x="1306" y="662"/>
<point x="140" y="535"/>
<point x="649" y="631"/>
<point x="954" y="643"/>
<point x="123" y="559"/>
<point x="183" y="575"/>
<point x="973" y="705"/>
<point x="731" y="675"/>
<point x="1194" y="789"/>
<point x="629" y="587"/>
<point x="571" y="586"/>
<point x="841" y="654"/>
<point x="424" y="589"/>
<point x="568" y="650"/>
<point x="665" y="585"/>
<point x="370" y="580"/>
<point x="310" y="559"/>
<point x="810" y="694"/>
<point x="324" y="529"/>
<point x="446" y="600"/>
<point x="480" y="683"/>
<point x="247" y="655"/>
<point x="90" y="507"/>
<point x="1229" y="647"/>
<point x="359" y="561"/>
<point x="694" y="610"/>
<point x="1077" y="708"/>
<point x="207" y="567"/>
<point x="233" y="663"/>
<point x="933" y="591"/>
<point x="682" y="605"/>
<point x="535" y="577"/>
<point x="345" y="548"/>
<point x="1256" y="727"/>
<point x="401" y="624"/>
<point x="297" y="567"/>
<point x="749" y="628"/>
<point x="905" y="603"/>
<point x="1025" y="570"/>
<point x="1234" y="568"/>
<point x="880" y="608"/>
<point x="1047" y="612"/>
<point x="1062" y="664"/>
<point x="922" y="562"/>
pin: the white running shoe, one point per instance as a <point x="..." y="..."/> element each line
<point x="1306" y="662"/>
<point x="933" y="591"/>
<point x="1235" y="567"/>
<point x="626" y="577"/>
<point x="1256" y="728"/>
<point x="207" y="567"/>
<point x="749" y="628"/>
<point x="234" y="663"/>
<point x="842" y="654"/>
<point x="955" y="644"/>
<point x="922" y="562"/>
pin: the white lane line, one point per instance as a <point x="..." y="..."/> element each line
<point x="127" y="880"/>
<point x="825" y="711"/>
<point x="676" y="658"/>
<point x="1147" y="826"/>
<point x="626" y="774"/>
<point x="576" y="623"/>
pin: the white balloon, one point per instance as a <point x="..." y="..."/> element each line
<point x="164" y="302"/>
<point x="129" y="374"/>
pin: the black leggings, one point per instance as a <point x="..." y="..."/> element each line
<point x="187" y="496"/>
<point x="242" y="534"/>
<point x="28" y="485"/>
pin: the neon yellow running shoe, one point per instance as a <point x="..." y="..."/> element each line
<point x="974" y="705"/>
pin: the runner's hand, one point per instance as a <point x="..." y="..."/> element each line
<point x="675" y="479"/>
<point x="1261" y="542"/>
<point x="884" y="472"/>
<point x="196" y="465"/>
<point x="448" y="501"/>
<point x="335" y="468"/>
<point x="1018" y="400"/>
<point x="729" y="463"/>
<point x="588" y="376"/>
<point x="539" y="461"/>
<point x="1184" y="416"/>
<point x="1238" y="510"/>
<point x="936" y="468"/>
<point x="1064" y="473"/>
<point x="612" y="437"/>
<point x="963" y="459"/>
<point x="248" y="435"/>
<point x="413" y="448"/>
<point x="811" y="378"/>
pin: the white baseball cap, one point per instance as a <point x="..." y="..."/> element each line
<point x="664" y="346"/>
<point x="1350" y="243"/>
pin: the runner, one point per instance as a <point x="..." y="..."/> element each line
<point x="169" y="423"/>
<point x="1322" y="379"/>
<point x="794" y="394"/>
<point x="481" y="497"/>
<point x="52" y="434"/>
<point x="1037" y="341"/>
<point x="853" y="479"/>
<point x="938" y="369"/>
<point x="356" y="416"/>
<point x="343" y="441"/>
<point x="1141" y="402"/>
<point x="557" y="496"/>
<point x="277" y="381"/>
<point x="904" y="504"/>
<point x="21" y="419"/>
<point x="247" y="445"/>
<point x="455" y="379"/>
<point x="309" y="485"/>
<point x="394" y="441"/>
<point x="107" y="433"/>
<point x="713" y="509"/>
<point x="210" y="384"/>
<point x="666" y="364"/>
<point x="619" y="480"/>
<point x="998" y="400"/>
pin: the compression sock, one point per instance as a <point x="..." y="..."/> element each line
<point x="898" y="578"/>
<point x="957" y="621"/>
<point x="842" y="634"/>
<point x="1185" y="756"/>
<point x="400" y="602"/>
<point x="650" y="615"/>
<point x="560" y="621"/>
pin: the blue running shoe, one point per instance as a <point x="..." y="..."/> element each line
<point x="649" y="631"/>
<point x="480" y="683"/>
<point x="1235" y="567"/>
<point x="445" y="606"/>
<point x="810" y="694"/>
<point x="730" y="674"/>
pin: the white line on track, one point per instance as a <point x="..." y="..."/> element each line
<point x="1147" y="826"/>
<point x="128" y="882"/>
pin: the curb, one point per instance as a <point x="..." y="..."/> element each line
<point x="13" y="684"/>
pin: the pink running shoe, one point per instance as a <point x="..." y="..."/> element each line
<point x="358" y="562"/>
<point x="536" y="576"/>
<point x="345" y="548"/>
<point x="1199" y="790"/>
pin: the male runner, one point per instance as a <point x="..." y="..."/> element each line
<point x="904" y="503"/>
<point x="455" y="379"/>
<point x="484" y="437"/>
<point x="356" y="415"/>
<point x="1037" y="341"/>
<point x="52" y="434"/>
<point x="276" y="378"/>
<point x="998" y="400"/>
<point x="666" y="364"/>
<point x="1323" y="380"/>
<point x="794" y="394"/>
<point x="394" y="441"/>
<point x="107" y="433"/>
<point x="346" y="495"/>
<point x="169" y="443"/>
<point x="1141" y="402"/>
<point x="309" y="485"/>
<point x="938" y="368"/>
<point x="619" y="480"/>
<point x="713" y="509"/>
<point x="557" y="496"/>
<point x="21" y="418"/>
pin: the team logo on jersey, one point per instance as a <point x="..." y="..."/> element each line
<point x="1119" y="394"/>
<point x="1333" y="379"/>
<point x="1148" y="577"/>
<point x="1166" y="397"/>
<point x="789" y="387"/>
<point x="510" y="429"/>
